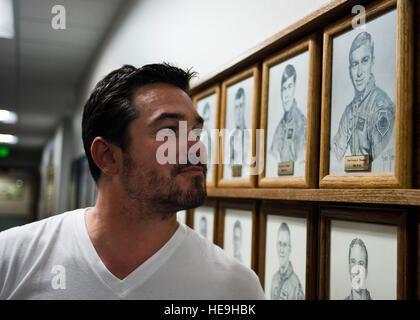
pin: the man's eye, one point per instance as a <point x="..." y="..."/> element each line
<point x="354" y="64"/>
<point x="168" y="130"/>
<point x="365" y="60"/>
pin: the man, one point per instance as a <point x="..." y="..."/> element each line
<point x="130" y="245"/>
<point x="285" y="284"/>
<point x="240" y="140"/>
<point x="289" y="138"/>
<point x="367" y="123"/>
<point x="237" y="240"/>
<point x="358" y="270"/>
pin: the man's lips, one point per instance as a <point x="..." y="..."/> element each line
<point x="193" y="170"/>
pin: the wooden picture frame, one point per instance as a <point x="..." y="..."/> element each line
<point x="247" y="205"/>
<point x="402" y="169"/>
<point x="214" y="90"/>
<point x="372" y="216"/>
<point x="310" y="177"/>
<point x="279" y="208"/>
<point x="249" y="181"/>
<point x="191" y="217"/>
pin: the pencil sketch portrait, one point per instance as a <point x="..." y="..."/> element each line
<point x="358" y="270"/>
<point x="204" y="221"/>
<point x="287" y="114"/>
<point x="285" y="284"/>
<point x="364" y="124"/>
<point x="237" y="235"/>
<point x="237" y="149"/>
<point x="363" y="261"/>
<point x="237" y="240"/>
<point x="206" y="108"/>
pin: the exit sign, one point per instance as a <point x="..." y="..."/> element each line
<point x="4" y="151"/>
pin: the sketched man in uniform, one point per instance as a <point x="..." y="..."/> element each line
<point x="237" y="240"/>
<point x="205" y="133"/>
<point x="203" y="227"/>
<point x="285" y="284"/>
<point x="240" y="140"/>
<point x="367" y="123"/>
<point x="289" y="139"/>
<point x="358" y="270"/>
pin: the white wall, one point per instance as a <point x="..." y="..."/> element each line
<point x="204" y="35"/>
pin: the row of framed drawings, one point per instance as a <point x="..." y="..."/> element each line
<point x="309" y="252"/>
<point x="269" y="125"/>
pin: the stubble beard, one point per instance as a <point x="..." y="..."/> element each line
<point x="161" y="196"/>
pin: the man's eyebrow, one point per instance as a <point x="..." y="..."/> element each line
<point x="174" y="116"/>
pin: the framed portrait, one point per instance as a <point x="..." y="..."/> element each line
<point x="289" y="116"/>
<point x="287" y="251"/>
<point x="203" y="220"/>
<point x="207" y="105"/>
<point x="237" y="230"/>
<point x="238" y="165"/>
<point x="367" y="95"/>
<point x="363" y="254"/>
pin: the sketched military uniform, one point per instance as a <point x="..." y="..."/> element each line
<point x="366" y="295"/>
<point x="366" y="124"/>
<point x="205" y="137"/>
<point x="290" y="136"/>
<point x="286" y="286"/>
<point x="240" y="145"/>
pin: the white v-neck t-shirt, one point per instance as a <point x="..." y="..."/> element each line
<point x="55" y="259"/>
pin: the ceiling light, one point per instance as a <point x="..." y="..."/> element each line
<point x="7" y="28"/>
<point x="7" y="116"/>
<point x="8" y="139"/>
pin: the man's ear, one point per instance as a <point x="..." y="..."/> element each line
<point x="105" y="156"/>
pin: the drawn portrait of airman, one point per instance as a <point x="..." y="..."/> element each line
<point x="237" y="240"/>
<point x="240" y="140"/>
<point x="203" y="227"/>
<point x="285" y="284"/>
<point x="367" y="123"/>
<point x="289" y="139"/>
<point x="358" y="270"/>
<point x="205" y="132"/>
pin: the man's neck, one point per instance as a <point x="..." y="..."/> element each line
<point x="125" y="236"/>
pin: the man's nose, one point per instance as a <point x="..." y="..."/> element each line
<point x="359" y="70"/>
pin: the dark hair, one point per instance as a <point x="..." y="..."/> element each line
<point x="288" y="72"/>
<point x="359" y="242"/>
<point x="359" y="40"/>
<point x="240" y="93"/>
<point x="284" y="227"/>
<point x="237" y="225"/>
<point x="109" y="111"/>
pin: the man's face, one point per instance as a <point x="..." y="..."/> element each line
<point x="357" y="268"/>
<point x="283" y="249"/>
<point x="165" y="187"/>
<point x="361" y="62"/>
<point x="288" y="93"/>
<point x="236" y="239"/>
<point x="239" y="112"/>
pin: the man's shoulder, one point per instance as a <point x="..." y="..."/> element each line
<point x="30" y="231"/>
<point x="222" y="270"/>
<point x="381" y="98"/>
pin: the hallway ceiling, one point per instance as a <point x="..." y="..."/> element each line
<point x="41" y="68"/>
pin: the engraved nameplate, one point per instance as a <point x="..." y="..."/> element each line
<point x="356" y="163"/>
<point x="285" y="168"/>
<point x="236" y="171"/>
